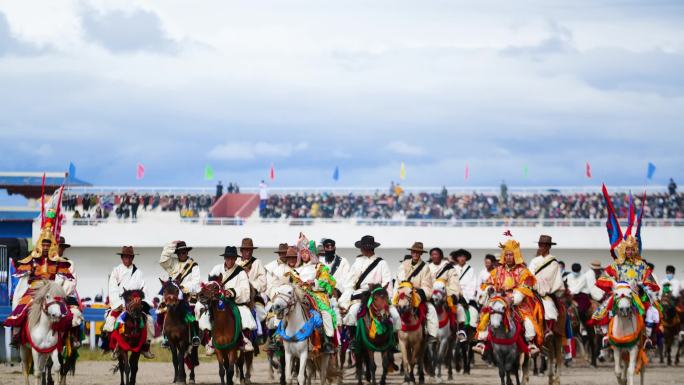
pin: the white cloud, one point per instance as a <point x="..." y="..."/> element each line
<point x="402" y="148"/>
<point x="254" y="150"/>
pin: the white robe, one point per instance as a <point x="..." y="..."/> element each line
<point x="239" y="286"/>
<point x="342" y="272"/>
<point x="256" y="274"/>
<point x="173" y="267"/>
<point x="468" y="280"/>
<point x="549" y="281"/>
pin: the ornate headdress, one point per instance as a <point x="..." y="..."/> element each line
<point x="304" y="246"/>
<point x="50" y="223"/>
<point x="514" y="246"/>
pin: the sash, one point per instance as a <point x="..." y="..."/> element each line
<point x="335" y="265"/>
<point x="232" y="275"/>
<point x="464" y="273"/>
<point x="544" y="266"/>
<point x="444" y="270"/>
<point x="185" y="272"/>
<point x="416" y="271"/>
<point x="366" y="272"/>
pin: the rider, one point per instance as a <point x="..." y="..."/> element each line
<point x="514" y="280"/>
<point x="468" y="281"/>
<point x="416" y="272"/>
<point x="252" y="266"/>
<point x="315" y="278"/>
<point x="127" y="276"/>
<point x="366" y="270"/>
<point x="272" y="267"/>
<point x="443" y="270"/>
<point x="43" y="263"/>
<point x="630" y="268"/>
<point x="549" y="285"/>
<point x="235" y="282"/>
<point x="72" y="298"/>
<point x="185" y="273"/>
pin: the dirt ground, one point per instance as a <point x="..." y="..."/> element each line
<point x="98" y="372"/>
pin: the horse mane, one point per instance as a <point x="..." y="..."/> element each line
<point x="44" y="288"/>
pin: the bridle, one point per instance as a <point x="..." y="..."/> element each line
<point x="55" y="301"/>
<point x="289" y="301"/>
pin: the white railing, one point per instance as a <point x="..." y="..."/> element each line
<point x="494" y="222"/>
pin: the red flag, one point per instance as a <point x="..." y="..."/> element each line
<point x="467" y="172"/>
<point x="271" y="173"/>
<point x="588" y="170"/>
<point x="140" y="173"/>
<point x="42" y="202"/>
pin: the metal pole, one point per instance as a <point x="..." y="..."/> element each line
<point x="93" y="336"/>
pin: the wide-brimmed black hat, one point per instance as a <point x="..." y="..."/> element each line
<point x="366" y="242"/>
<point x="230" y="251"/>
<point x="62" y="242"/>
<point x="546" y="240"/>
<point x="182" y="246"/>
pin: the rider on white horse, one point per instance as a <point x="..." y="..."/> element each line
<point x="443" y="271"/>
<point x="417" y="272"/>
<point x="127" y="276"/>
<point x="235" y="283"/>
<point x="72" y="299"/>
<point x="185" y="272"/>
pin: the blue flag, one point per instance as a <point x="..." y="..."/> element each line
<point x="72" y="171"/>
<point x="651" y="170"/>
<point x="336" y="174"/>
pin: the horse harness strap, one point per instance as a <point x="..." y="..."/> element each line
<point x="444" y="270"/>
<point x="335" y="265"/>
<point x="366" y="272"/>
<point x="464" y="273"/>
<point x="416" y="271"/>
<point x="544" y="266"/>
<point x="232" y="275"/>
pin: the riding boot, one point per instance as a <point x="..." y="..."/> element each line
<point x="247" y="347"/>
<point x="327" y="347"/>
<point x="352" y="337"/>
<point x="16" y="332"/>
<point x="194" y="340"/>
<point x="146" y="351"/>
<point x="165" y="342"/>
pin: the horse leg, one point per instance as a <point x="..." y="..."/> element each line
<point x="250" y="358"/>
<point x="359" y="369"/>
<point x="221" y="365"/>
<point x="135" y="357"/>
<point x="122" y="369"/>
<point x="301" y="376"/>
<point x="631" y="368"/>
<point x="194" y="358"/>
<point x="174" y="360"/>
<point x="48" y="371"/>
<point x="182" y="349"/>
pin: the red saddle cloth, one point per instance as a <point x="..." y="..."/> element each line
<point x="120" y="336"/>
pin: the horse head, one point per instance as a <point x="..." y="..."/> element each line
<point x="210" y="291"/>
<point x="283" y="301"/>
<point x="406" y="298"/>
<point x="134" y="301"/>
<point x="50" y="300"/>
<point x="171" y="292"/>
<point x="624" y="299"/>
<point x="498" y="312"/>
<point x="439" y="293"/>
<point x="378" y="302"/>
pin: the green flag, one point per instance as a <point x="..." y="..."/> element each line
<point x="525" y="171"/>
<point x="208" y="172"/>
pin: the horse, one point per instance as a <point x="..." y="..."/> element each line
<point x="412" y="334"/>
<point x="509" y="350"/>
<point x="626" y="334"/>
<point x="129" y="336"/>
<point x="226" y="327"/>
<point x="443" y="348"/>
<point x="297" y="325"/>
<point x="176" y="329"/>
<point x="47" y="319"/>
<point x="67" y="356"/>
<point x="245" y="359"/>
<point x="374" y="332"/>
<point x="671" y="326"/>
<point x="580" y="310"/>
<point x="466" y="337"/>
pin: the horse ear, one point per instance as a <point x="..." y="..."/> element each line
<point x="161" y="281"/>
<point x="386" y="285"/>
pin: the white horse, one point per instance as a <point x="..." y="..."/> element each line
<point x="288" y="305"/>
<point x="47" y="308"/>
<point x="625" y="333"/>
<point x="444" y="332"/>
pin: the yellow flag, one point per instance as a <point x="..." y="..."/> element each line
<point x="402" y="171"/>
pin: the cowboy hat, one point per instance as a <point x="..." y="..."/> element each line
<point x="291" y="252"/>
<point x="417" y="246"/>
<point x="456" y="253"/>
<point x="181" y="246"/>
<point x="230" y="251"/>
<point x="546" y="240"/>
<point x="247" y="244"/>
<point x="62" y="242"/>
<point x="282" y="248"/>
<point x="366" y="242"/>
<point x="127" y="250"/>
<point x="596" y="265"/>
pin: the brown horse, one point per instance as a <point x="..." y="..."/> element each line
<point x="128" y="338"/>
<point x="365" y="343"/>
<point x="176" y="330"/>
<point x="245" y="359"/>
<point x="225" y="327"/>
<point x="412" y="334"/>
<point x="580" y="309"/>
<point x="672" y="325"/>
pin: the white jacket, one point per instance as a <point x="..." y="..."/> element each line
<point x="342" y="272"/>
<point x="124" y="278"/>
<point x="468" y="280"/>
<point x="174" y="268"/>
<point x="256" y="274"/>
<point x="238" y="285"/>
<point x="548" y="274"/>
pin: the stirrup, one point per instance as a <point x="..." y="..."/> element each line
<point x="461" y="336"/>
<point x="534" y="350"/>
<point x="479" y="348"/>
<point x="196" y="341"/>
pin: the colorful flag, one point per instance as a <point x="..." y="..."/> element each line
<point x="72" y="171"/>
<point x="336" y="174"/>
<point x="271" y="173"/>
<point x="140" y="172"/>
<point x="466" y="176"/>
<point x="208" y="172"/>
<point x="650" y="171"/>
<point x="402" y="171"/>
<point x="526" y="170"/>
<point x="637" y="235"/>
<point x="612" y="224"/>
<point x="630" y="216"/>
<point x="588" y="170"/>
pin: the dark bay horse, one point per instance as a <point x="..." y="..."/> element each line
<point x="672" y="325"/>
<point x="226" y="327"/>
<point x="176" y="329"/>
<point x="129" y="336"/>
<point x="374" y="315"/>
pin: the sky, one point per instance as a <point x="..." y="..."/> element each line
<point x="361" y="85"/>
